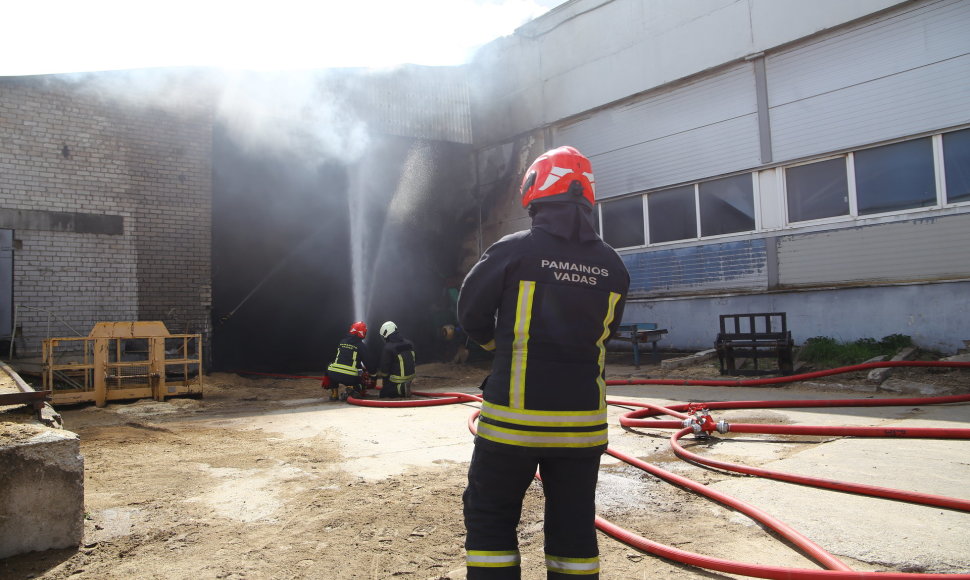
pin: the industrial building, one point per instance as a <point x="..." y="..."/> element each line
<point x="750" y="156"/>
<point x="807" y="158"/>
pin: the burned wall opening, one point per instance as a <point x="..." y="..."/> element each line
<point x="278" y="245"/>
<point x="302" y="250"/>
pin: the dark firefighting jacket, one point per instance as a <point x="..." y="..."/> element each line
<point x="352" y="356"/>
<point x="545" y="301"/>
<point x="397" y="359"/>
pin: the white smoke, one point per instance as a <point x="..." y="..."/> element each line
<point x="301" y="115"/>
<point x="99" y="35"/>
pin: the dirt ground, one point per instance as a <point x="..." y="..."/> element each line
<point x="206" y="488"/>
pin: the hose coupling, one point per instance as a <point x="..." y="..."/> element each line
<point x="723" y="426"/>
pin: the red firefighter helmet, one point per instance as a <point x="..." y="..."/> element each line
<point x="359" y="328"/>
<point x="561" y="171"/>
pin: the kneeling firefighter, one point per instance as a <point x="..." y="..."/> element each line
<point x="397" y="363"/>
<point x="348" y="367"/>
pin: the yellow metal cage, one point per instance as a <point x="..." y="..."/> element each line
<point x="123" y="360"/>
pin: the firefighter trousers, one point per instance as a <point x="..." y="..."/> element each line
<point x="337" y="379"/>
<point x="390" y="389"/>
<point x="497" y="483"/>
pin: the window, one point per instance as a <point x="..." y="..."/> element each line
<point x="623" y="222"/>
<point x="890" y="178"/>
<point x="956" y="163"/>
<point x="895" y="177"/>
<point x="727" y="205"/>
<point x="817" y="190"/>
<point x="672" y="214"/>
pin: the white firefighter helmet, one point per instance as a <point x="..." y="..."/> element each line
<point x="387" y="329"/>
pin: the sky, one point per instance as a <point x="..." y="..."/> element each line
<point x="67" y="36"/>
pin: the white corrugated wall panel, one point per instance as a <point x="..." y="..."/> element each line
<point x="926" y="249"/>
<point x="887" y="108"/>
<point x="903" y="74"/>
<point x="703" y="128"/>
<point x="702" y="152"/>
<point x="927" y="33"/>
<point x="726" y="95"/>
<point x="417" y="101"/>
<point x="625" y="47"/>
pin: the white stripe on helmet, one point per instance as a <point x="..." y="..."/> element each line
<point x="555" y="174"/>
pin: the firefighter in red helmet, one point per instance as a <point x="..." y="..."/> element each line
<point x="545" y="301"/>
<point x="349" y="367"/>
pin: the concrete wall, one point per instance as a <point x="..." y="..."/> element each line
<point x="110" y="206"/>
<point x="934" y="315"/>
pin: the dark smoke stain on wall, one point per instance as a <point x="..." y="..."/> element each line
<point x="280" y="259"/>
<point x="429" y="211"/>
<point x="285" y="225"/>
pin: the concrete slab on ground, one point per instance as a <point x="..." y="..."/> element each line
<point x="376" y="443"/>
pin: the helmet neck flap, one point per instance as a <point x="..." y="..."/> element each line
<point x="568" y="220"/>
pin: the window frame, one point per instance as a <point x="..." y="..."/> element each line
<point x="643" y="225"/>
<point x="850" y="191"/>
<point x="755" y="210"/>
<point x="892" y="212"/>
<point x="646" y="216"/>
<point x="941" y="186"/>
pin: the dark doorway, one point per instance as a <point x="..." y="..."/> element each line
<point x="279" y="258"/>
<point x="283" y="238"/>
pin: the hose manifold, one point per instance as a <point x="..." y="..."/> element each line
<point x="702" y="424"/>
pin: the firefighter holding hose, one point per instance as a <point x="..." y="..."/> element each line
<point x="544" y="301"/>
<point x="349" y="368"/>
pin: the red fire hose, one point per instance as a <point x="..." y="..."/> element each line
<point x="791" y="378"/>
<point x="871" y="490"/>
<point x="633" y="419"/>
<point x="437" y="399"/>
<point x="835" y="568"/>
<point x="754" y="570"/>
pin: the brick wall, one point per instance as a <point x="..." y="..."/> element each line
<point x="75" y="165"/>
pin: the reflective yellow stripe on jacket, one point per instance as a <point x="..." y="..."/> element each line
<point x="601" y="343"/>
<point x="350" y="369"/>
<point x="339" y="368"/>
<point x="535" y="423"/>
<point x="529" y="417"/>
<point x="536" y="438"/>
<point x="515" y="424"/>
<point x="520" y="342"/>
